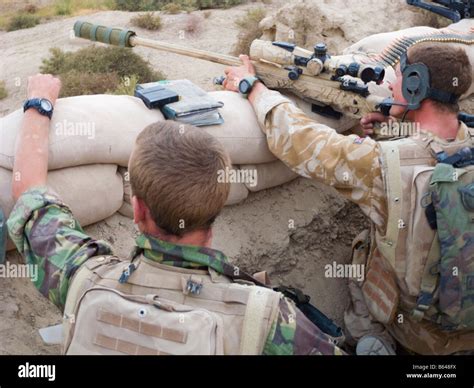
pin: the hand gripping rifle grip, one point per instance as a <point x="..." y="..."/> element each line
<point x="103" y="34"/>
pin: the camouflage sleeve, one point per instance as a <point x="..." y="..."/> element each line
<point x="46" y="233"/>
<point x="348" y="163"/>
<point x="294" y="334"/>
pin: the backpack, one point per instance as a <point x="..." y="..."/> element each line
<point x="450" y="264"/>
<point x="417" y="268"/>
<point x="161" y="309"/>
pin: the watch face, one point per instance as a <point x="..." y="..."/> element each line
<point x="46" y="105"/>
<point x="244" y="86"/>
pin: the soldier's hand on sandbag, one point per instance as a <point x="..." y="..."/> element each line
<point x="368" y="122"/>
<point x="44" y="86"/>
<point x="235" y="74"/>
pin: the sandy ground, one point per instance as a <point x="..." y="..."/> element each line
<point x="255" y="235"/>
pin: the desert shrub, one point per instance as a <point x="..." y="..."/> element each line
<point x="3" y="90"/>
<point x="137" y="5"/>
<point x="30" y="8"/>
<point x="122" y="61"/>
<point x="93" y="70"/>
<point x="148" y="20"/>
<point x="76" y="83"/>
<point x="63" y="7"/>
<point x="193" y="24"/>
<point x="249" y="30"/>
<point x="126" y="86"/>
<point x="172" y="8"/>
<point x="21" y="21"/>
<point x="204" y="4"/>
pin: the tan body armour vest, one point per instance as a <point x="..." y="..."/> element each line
<point x="163" y="309"/>
<point x="397" y="260"/>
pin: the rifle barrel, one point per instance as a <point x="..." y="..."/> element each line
<point x="321" y="90"/>
<point x="222" y="59"/>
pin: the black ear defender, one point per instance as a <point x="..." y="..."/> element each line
<point x="416" y="85"/>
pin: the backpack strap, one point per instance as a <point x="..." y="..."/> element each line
<point x="76" y="290"/>
<point x="253" y="322"/>
<point x="470" y="130"/>
<point x="429" y="281"/>
<point x="391" y="160"/>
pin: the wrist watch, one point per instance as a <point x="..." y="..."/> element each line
<point x="246" y="85"/>
<point x="42" y="105"/>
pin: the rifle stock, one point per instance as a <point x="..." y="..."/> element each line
<point x="314" y="89"/>
<point x="451" y="9"/>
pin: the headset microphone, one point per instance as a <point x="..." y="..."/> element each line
<point x="385" y="106"/>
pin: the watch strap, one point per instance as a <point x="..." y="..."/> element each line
<point x="36" y="104"/>
<point x="251" y="81"/>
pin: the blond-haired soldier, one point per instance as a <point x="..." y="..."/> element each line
<point x="176" y="295"/>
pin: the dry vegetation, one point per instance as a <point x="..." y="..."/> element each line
<point x="21" y="21"/>
<point x="95" y="70"/>
<point x="193" y="24"/>
<point x="31" y="15"/>
<point x="149" y="21"/>
<point x="249" y="30"/>
<point x="3" y="90"/>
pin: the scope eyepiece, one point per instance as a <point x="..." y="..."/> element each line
<point x="375" y="74"/>
<point x="365" y="73"/>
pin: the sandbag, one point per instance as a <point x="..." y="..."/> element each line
<point x="269" y="175"/>
<point x="238" y="193"/>
<point x="126" y="210"/>
<point x="103" y="128"/>
<point x="240" y="135"/>
<point x="85" y="130"/>
<point x="93" y="192"/>
<point x="127" y="188"/>
<point x="375" y="44"/>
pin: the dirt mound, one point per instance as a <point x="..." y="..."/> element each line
<point x="343" y="22"/>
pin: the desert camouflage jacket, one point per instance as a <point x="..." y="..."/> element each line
<point x="350" y="164"/>
<point x="353" y="166"/>
<point x="47" y="235"/>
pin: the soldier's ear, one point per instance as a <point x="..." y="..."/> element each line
<point x="209" y="234"/>
<point x="140" y="210"/>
